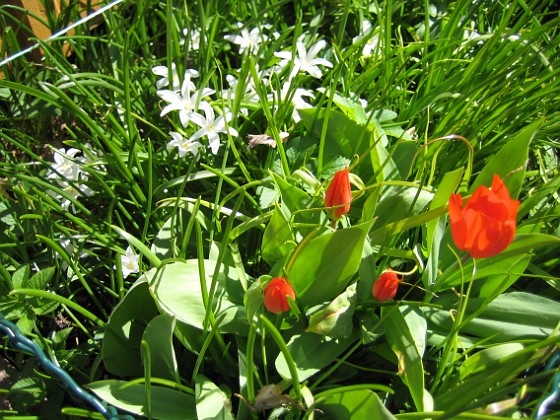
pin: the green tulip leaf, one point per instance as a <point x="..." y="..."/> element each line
<point x="277" y="239"/>
<point x="159" y="338"/>
<point x="211" y="402"/>
<point x="506" y="262"/>
<point x="324" y="265"/>
<point x="311" y="353"/>
<point x="487" y="359"/>
<point x="353" y="404"/>
<point x="177" y="289"/>
<point x="254" y="298"/>
<point x="403" y="344"/>
<point x="510" y="317"/>
<point x="124" y="330"/>
<point x="166" y="403"/>
<point x="335" y="319"/>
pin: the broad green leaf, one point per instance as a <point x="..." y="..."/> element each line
<point x="277" y="239"/>
<point x="189" y="336"/>
<point x="461" y="394"/>
<point x="398" y="203"/>
<point x="41" y="279"/>
<point x="325" y="265"/>
<point x="335" y="319"/>
<point x="354" y="404"/>
<point x="497" y="284"/>
<point x="177" y="289"/>
<point x="511" y="316"/>
<point x="311" y="352"/>
<point x="403" y="345"/>
<point x="166" y="404"/>
<point x="170" y="237"/>
<point x="417" y="325"/>
<point x="211" y="402"/>
<point x="344" y="137"/>
<point x="6" y="216"/>
<point x="383" y="232"/>
<point x="254" y="297"/>
<point x="500" y="264"/>
<point x="509" y="160"/>
<point x="294" y="198"/>
<point x="371" y="327"/>
<point x="159" y="338"/>
<point x="368" y="210"/>
<point x="20" y="277"/>
<point x="124" y="330"/>
<point x="487" y="358"/>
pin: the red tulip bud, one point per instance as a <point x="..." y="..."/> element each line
<point x="486" y="225"/>
<point x="385" y="287"/>
<point x="339" y="194"/>
<point x="275" y="295"/>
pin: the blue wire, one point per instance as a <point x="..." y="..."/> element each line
<point x="550" y="398"/>
<point x="25" y="344"/>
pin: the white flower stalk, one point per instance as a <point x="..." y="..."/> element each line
<point x="183" y="144"/>
<point x="210" y="126"/>
<point x="305" y="61"/>
<point x="75" y="191"/>
<point x="67" y="170"/>
<point x="184" y="101"/>
<point x="65" y="165"/>
<point x="163" y="72"/>
<point x="372" y="45"/>
<point x="249" y="96"/>
<point x="297" y="99"/>
<point x="194" y="35"/>
<point x="248" y="41"/>
<point x="129" y="262"/>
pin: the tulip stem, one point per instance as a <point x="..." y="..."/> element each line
<point x="451" y="344"/>
<point x="277" y="337"/>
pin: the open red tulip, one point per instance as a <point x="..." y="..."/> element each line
<point x="385" y="287"/>
<point x="339" y="193"/>
<point x="486" y="225"/>
<point x="275" y="295"/>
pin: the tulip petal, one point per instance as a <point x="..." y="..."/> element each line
<point x="486" y="225"/>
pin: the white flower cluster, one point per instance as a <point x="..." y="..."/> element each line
<point x="69" y="174"/>
<point x="188" y="101"/>
<point x="196" y="108"/>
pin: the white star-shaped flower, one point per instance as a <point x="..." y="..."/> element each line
<point x="183" y="144"/>
<point x="129" y="262"/>
<point x="305" y="61"/>
<point x="210" y="126"/>
<point x="247" y="41"/>
<point x="372" y="45"/>
<point x="163" y="72"/>
<point x="73" y="190"/>
<point x="65" y="164"/>
<point x="184" y="101"/>
<point x="194" y="34"/>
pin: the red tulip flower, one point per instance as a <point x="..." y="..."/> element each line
<point x="385" y="287"/>
<point x="339" y="194"/>
<point x="276" y="293"/>
<point x="486" y="225"/>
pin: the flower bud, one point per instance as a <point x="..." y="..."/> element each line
<point x="275" y="295"/>
<point x="339" y="194"/>
<point x="385" y="287"/>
